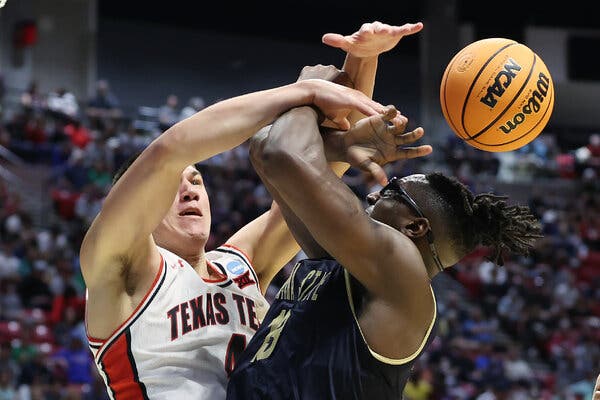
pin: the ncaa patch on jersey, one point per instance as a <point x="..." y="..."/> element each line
<point x="235" y="267"/>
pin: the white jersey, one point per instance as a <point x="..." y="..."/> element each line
<point x="183" y="339"/>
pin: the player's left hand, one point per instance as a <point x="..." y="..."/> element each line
<point x="371" y="39"/>
<point x="597" y="389"/>
<point x="376" y="141"/>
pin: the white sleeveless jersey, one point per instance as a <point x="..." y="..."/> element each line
<point x="183" y="339"/>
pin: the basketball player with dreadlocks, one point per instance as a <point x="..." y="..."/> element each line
<point x="355" y="315"/>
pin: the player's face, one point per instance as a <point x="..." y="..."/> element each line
<point x="393" y="205"/>
<point x="382" y="207"/>
<point x="189" y="215"/>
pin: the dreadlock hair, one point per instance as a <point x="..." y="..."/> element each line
<point x="485" y="219"/>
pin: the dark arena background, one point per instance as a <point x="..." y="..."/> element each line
<point x="529" y="329"/>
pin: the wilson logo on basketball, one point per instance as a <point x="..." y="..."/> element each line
<point x="501" y="83"/>
<point x="533" y="104"/>
<point x="464" y="63"/>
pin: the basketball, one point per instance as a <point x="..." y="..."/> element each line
<point x="497" y="94"/>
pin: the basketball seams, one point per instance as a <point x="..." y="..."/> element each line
<point x="527" y="105"/>
<point x="444" y="102"/>
<point x="542" y="120"/>
<point x="514" y="98"/>
<point x="474" y="81"/>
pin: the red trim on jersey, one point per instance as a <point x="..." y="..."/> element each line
<point x="156" y="279"/>
<point x="241" y="251"/>
<point x="122" y="378"/>
<point x="222" y="278"/>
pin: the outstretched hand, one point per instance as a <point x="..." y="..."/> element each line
<point x="378" y="140"/>
<point x="371" y="39"/>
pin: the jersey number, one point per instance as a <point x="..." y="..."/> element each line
<point x="237" y="344"/>
<point x="275" y="328"/>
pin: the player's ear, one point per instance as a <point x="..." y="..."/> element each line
<point x="416" y="228"/>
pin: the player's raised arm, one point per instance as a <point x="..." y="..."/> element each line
<point x="267" y="239"/>
<point x="120" y="234"/>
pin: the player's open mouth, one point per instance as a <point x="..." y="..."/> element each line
<point x="190" y="212"/>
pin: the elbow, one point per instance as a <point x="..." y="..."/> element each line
<point x="256" y="147"/>
<point x="266" y="155"/>
<point x="274" y="161"/>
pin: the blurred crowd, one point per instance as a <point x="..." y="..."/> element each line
<point x="526" y="330"/>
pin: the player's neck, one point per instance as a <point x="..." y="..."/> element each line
<point x="430" y="264"/>
<point x="198" y="262"/>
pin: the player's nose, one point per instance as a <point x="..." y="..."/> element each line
<point x="188" y="193"/>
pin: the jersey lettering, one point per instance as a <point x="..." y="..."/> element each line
<point x="275" y="328"/>
<point x="210" y="309"/>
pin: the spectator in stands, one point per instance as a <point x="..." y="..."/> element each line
<point x="32" y="99"/>
<point x="64" y="197"/>
<point x="194" y="105"/>
<point x="34" y="290"/>
<point x="168" y="114"/>
<point x="103" y="105"/>
<point x="79" y="135"/>
<point x="75" y="359"/>
<point x="64" y="104"/>
<point x="10" y="302"/>
<point x="7" y="386"/>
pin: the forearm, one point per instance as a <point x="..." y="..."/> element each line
<point x="268" y="143"/>
<point x="230" y="122"/>
<point x="362" y="72"/>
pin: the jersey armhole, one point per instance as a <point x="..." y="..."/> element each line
<point x="379" y="357"/>
<point x="100" y="345"/>
<point x="242" y="254"/>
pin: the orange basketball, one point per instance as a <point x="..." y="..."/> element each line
<point x="497" y="94"/>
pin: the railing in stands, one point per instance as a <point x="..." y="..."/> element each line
<point x="28" y="182"/>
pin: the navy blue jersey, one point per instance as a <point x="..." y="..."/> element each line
<point x="309" y="345"/>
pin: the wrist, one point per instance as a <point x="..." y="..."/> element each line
<point x="335" y="146"/>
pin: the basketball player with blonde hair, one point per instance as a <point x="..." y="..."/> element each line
<point x="166" y="319"/>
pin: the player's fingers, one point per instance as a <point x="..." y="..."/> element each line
<point x="404" y="153"/>
<point x="389" y="113"/>
<point x="370" y="107"/>
<point x="398" y="124"/>
<point x="409" y="137"/>
<point x="408" y="29"/>
<point x="335" y="40"/>
<point x="341" y="122"/>
<point x="375" y="170"/>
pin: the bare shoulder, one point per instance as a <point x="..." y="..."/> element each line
<point x="396" y="334"/>
<point x="111" y="300"/>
